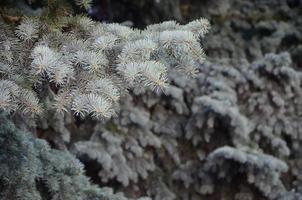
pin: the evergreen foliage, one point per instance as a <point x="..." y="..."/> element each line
<point x="83" y="67"/>
<point x="234" y="122"/>
<point x="31" y="170"/>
